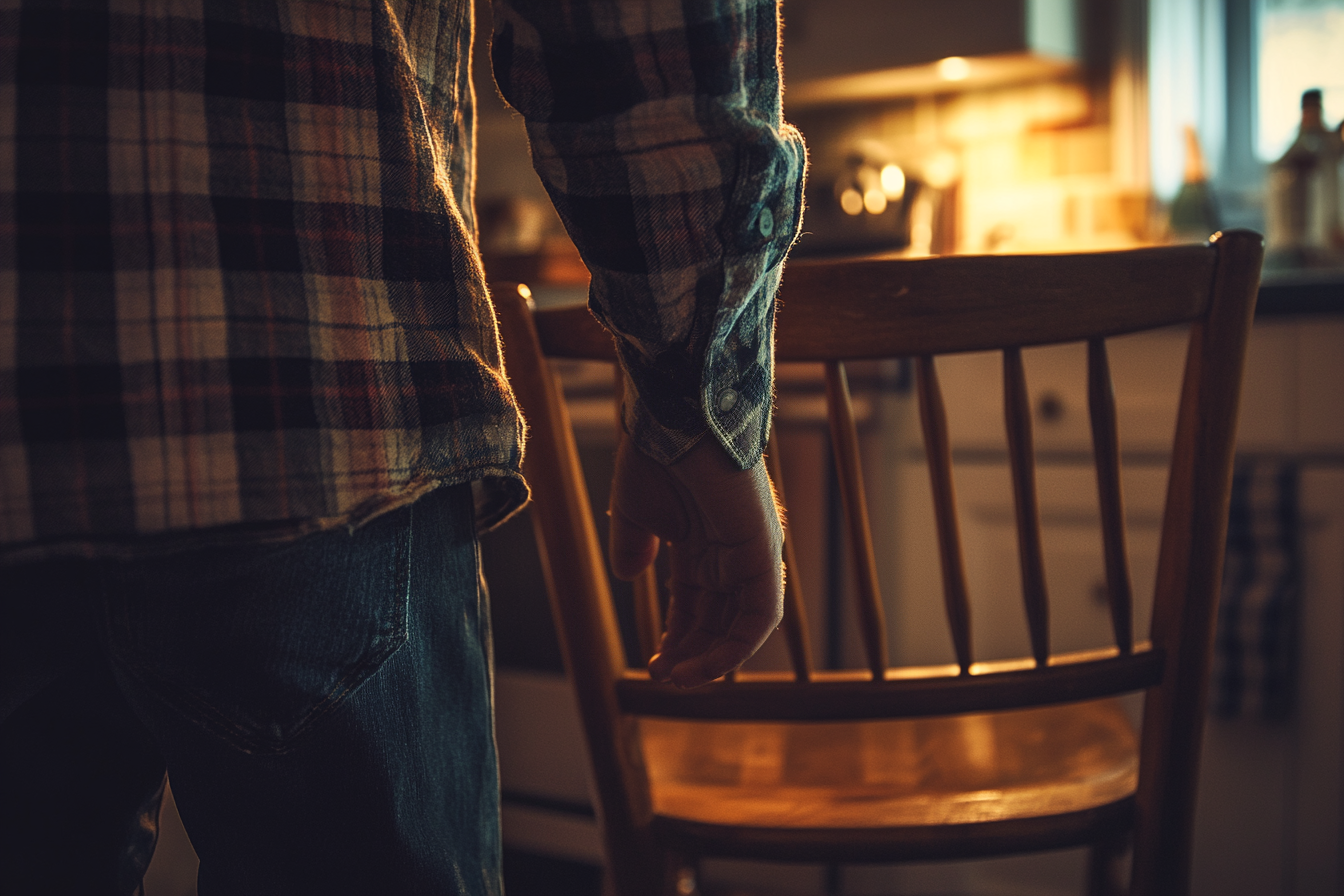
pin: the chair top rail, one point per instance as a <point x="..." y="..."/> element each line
<point x="940" y="311"/>
<point x="851" y="694"/>
<point x="936" y="306"/>
<point x="571" y="332"/>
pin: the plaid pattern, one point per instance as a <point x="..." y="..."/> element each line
<point x="671" y="166"/>
<point x="239" y="283"/>
<point x="1256" y="647"/>
<point x="239" y="289"/>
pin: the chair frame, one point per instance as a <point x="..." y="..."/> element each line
<point x="919" y="309"/>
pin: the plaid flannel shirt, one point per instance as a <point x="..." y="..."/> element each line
<point x="239" y="291"/>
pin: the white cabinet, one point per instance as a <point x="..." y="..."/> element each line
<point x="1147" y="374"/>
<point x="1271" y="812"/>
<point x="1271" y="809"/>
<point x="1270" y="819"/>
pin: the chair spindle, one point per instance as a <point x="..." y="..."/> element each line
<point x="845" y="442"/>
<point x="648" y="618"/>
<point x="1106" y="454"/>
<point x="933" y="421"/>
<point x="648" y="613"/>
<point x="795" y="614"/>
<point x="1017" y="417"/>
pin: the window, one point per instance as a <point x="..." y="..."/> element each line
<point x="1301" y="46"/>
<point x="1235" y="70"/>
<point x="1187" y="85"/>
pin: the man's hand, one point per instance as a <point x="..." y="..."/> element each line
<point x="726" y="544"/>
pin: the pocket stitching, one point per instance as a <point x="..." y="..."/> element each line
<point x="194" y="706"/>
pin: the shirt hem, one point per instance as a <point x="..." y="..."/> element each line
<point x="502" y="494"/>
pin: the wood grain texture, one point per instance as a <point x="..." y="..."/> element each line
<point x="648" y="612"/>
<point x="1106" y="455"/>
<point x="932" y="306"/>
<point x="938" y="454"/>
<point x="904" y="691"/>
<point x="849" y="474"/>
<point x="795" y="606"/>
<point x="576" y="582"/>
<point x="1022" y="463"/>
<point x="1190" y="563"/>
<point x="947" y="770"/>
<point x="916" y="843"/>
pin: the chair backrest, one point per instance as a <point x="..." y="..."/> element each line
<point x="838" y="311"/>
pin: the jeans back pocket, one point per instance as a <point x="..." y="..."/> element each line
<point x="257" y="643"/>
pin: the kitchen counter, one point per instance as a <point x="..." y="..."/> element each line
<point x="1301" y="292"/>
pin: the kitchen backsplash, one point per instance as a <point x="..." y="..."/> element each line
<point x="1025" y="167"/>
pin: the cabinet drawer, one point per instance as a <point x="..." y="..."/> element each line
<point x="1320" y="384"/>
<point x="1266" y="422"/>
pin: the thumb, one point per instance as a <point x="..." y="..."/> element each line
<point x="645" y="509"/>
<point x="632" y="546"/>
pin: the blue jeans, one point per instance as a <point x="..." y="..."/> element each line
<point x="323" y="708"/>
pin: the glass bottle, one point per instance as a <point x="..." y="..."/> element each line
<point x="1302" y="214"/>
<point x="1194" y="215"/>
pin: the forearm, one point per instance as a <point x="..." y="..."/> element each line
<point x="661" y="143"/>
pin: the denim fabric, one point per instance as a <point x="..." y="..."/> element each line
<point x="323" y="708"/>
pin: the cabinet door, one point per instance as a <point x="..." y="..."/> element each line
<point x="1317" y="794"/>
<point x="1319" y="351"/>
<point x="1146" y="371"/>
<point x="1075" y="576"/>
<point x="1071" y="536"/>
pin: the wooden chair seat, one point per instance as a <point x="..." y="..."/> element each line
<point x="961" y="778"/>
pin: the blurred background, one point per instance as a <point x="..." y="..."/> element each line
<point x="1035" y="125"/>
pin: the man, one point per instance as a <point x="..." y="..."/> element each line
<point x="253" y="414"/>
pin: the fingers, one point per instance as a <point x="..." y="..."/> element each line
<point x="700" y="659"/>
<point x="711" y="633"/>
<point x="725" y="540"/>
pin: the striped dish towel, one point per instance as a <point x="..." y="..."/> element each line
<point x="1255" y="652"/>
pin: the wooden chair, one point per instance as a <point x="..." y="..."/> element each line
<point x="968" y="760"/>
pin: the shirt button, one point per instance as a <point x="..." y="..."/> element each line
<point x="765" y="223"/>
<point x="727" y="400"/>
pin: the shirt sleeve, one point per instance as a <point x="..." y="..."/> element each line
<point x="657" y="130"/>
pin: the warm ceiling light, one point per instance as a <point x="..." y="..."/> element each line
<point x="851" y="200"/>
<point x="875" y="202"/>
<point x="940" y="170"/>
<point x="893" y="181"/>
<point x="953" y="68"/>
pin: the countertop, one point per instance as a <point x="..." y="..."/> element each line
<point x="1306" y="291"/>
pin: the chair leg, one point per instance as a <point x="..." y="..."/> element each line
<point x="665" y="873"/>
<point x="1106" y="866"/>
<point x="834" y="879"/>
<point x="681" y="876"/>
<point x="676" y="879"/>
